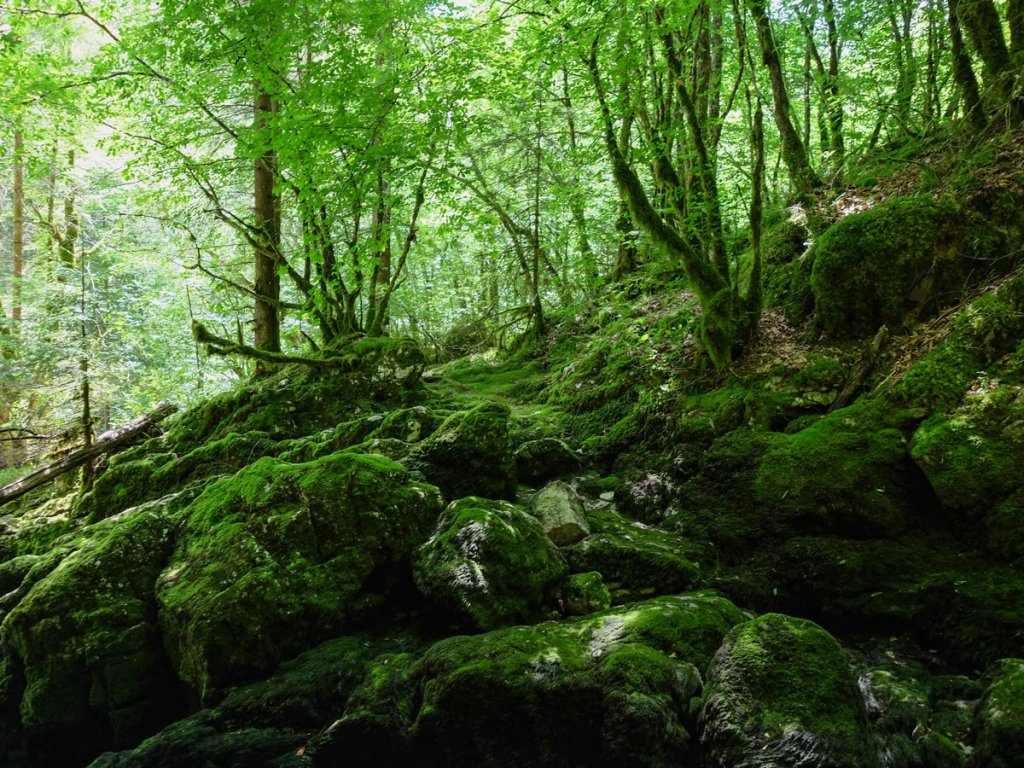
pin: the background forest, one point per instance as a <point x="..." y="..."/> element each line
<point x="291" y="173"/>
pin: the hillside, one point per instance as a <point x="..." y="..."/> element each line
<point x="595" y="551"/>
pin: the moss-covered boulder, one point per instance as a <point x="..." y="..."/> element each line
<point x="611" y="689"/>
<point x="999" y="722"/>
<point x="538" y="461"/>
<point x="635" y="561"/>
<point x="470" y="454"/>
<point x="262" y="723"/>
<point x="410" y="425"/>
<point x="971" y="453"/>
<point x="780" y="693"/>
<point x="129" y="482"/>
<point x="83" y="666"/>
<point x="847" y="474"/>
<point x="896" y="261"/>
<point x="560" y="512"/>
<point x="586" y="593"/>
<point x="489" y="564"/>
<point x="280" y="556"/>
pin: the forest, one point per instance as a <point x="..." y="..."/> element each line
<point x="533" y="383"/>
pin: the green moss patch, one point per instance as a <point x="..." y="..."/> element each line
<point x="489" y="564"/>
<point x="278" y="556"/>
<point x="780" y="692"/>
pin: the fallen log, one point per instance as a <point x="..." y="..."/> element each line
<point x="105" y="443"/>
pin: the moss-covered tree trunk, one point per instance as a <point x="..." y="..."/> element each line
<point x="963" y="73"/>
<point x="981" y="21"/>
<point x="794" y="154"/>
<point x="720" y="304"/>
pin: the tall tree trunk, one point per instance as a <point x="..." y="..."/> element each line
<point x="834" y="101"/>
<point x="380" y="277"/>
<point x="83" y="369"/>
<point x="985" y="29"/>
<point x="900" y="14"/>
<point x="266" y="322"/>
<point x="18" y="244"/>
<point x="1015" y="20"/>
<point x="67" y="243"/>
<point x="576" y="199"/>
<point x="963" y="72"/>
<point x="755" y="292"/>
<point x="794" y="154"/>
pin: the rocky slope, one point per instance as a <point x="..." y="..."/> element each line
<point x="596" y="554"/>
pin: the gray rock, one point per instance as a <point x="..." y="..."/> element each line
<point x="560" y="513"/>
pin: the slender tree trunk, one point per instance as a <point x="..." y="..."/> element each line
<point x="535" y="242"/>
<point x="963" y="72"/>
<point x="83" y="369"/>
<point x="68" y="241"/>
<point x="900" y="14"/>
<point x="266" y="322"/>
<point x="18" y="245"/>
<point x="931" y="96"/>
<point x="380" y="277"/>
<point x="576" y="200"/>
<point x="794" y="154"/>
<point x="834" y="100"/>
<point x="808" y="44"/>
<point x="755" y="292"/>
<point x="51" y="206"/>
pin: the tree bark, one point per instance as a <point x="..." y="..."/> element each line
<point x="18" y="244"/>
<point x="267" y="284"/>
<point x="985" y="29"/>
<point x="963" y="72"/>
<point x="794" y="154"/>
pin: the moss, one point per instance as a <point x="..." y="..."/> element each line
<point x="470" y="454"/>
<point x="635" y="561"/>
<point x="779" y="688"/>
<point x="611" y="689"/>
<point x="83" y="633"/>
<point x="999" y="722"/>
<point x="587" y="593"/>
<point x="538" y="461"/>
<point x="280" y="555"/>
<point x="971" y="453"/>
<point x="845" y="473"/>
<point x="489" y="564"/>
<point x="410" y="425"/>
<point x="902" y="257"/>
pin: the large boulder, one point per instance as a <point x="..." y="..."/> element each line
<point x="895" y="262"/>
<point x="489" y="564"/>
<point x="280" y="556"/>
<point x="635" y="561"/>
<point x="999" y="721"/>
<point x="609" y="690"/>
<point x="82" y="665"/>
<point x="538" y="461"/>
<point x="262" y="723"/>
<point x="470" y="454"/>
<point x="971" y="456"/>
<point x="780" y="693"/>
